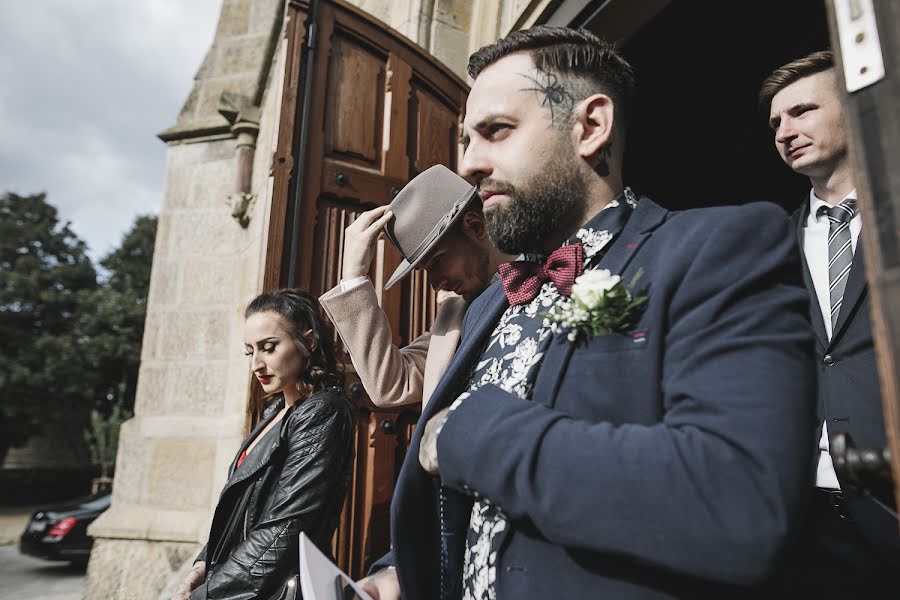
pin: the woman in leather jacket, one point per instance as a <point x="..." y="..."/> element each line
<point x="292" y="472"/>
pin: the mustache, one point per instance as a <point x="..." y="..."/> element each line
<point x="497" y="185"/>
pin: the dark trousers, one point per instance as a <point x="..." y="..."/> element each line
<point x="831" y="559"/>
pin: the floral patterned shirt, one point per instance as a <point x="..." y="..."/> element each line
<point x="511" y="361"/>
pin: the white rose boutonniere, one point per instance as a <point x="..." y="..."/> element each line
<point x="590" y="288"/>
<point x="600" y="304"/>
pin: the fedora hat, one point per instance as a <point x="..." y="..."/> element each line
<point x="424" y="211"/>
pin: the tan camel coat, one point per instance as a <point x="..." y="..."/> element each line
<point x="393" y="376"/>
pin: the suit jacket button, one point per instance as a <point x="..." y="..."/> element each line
<point x="828" y="360"/>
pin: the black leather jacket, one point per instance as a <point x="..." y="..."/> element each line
<point x="294" y="480"/>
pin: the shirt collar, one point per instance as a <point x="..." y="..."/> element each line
<point x="815" y="202"/>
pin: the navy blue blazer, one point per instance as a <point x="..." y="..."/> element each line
<point x="664" y="462"/>
<point x="850" y="393"/>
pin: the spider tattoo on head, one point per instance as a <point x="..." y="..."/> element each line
<point x="556" y="97"/>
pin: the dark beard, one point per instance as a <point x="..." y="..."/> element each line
<point x="545" y="204"/>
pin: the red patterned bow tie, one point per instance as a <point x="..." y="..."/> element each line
<point x="523" y="280"/>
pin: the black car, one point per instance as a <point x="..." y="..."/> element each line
<point x="60" y="532"/>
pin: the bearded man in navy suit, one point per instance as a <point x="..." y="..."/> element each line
<point x="593" y="438"/>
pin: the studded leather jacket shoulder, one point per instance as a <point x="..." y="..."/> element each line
<point x="294" y="480"/>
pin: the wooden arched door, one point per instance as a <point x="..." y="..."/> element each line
<point x="379" y="111"/>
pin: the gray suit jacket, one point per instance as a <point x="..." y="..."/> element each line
<point x="393" y="376"/>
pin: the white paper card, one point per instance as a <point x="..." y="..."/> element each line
<point x="319" y="576"/>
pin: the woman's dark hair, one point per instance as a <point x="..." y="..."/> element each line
<point x="300" y="312"/>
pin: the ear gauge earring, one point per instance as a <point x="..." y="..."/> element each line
<point x="601" y="167"/>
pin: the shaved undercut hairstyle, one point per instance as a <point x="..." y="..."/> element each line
<point x="581" y="63"/>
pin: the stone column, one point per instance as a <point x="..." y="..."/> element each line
<point x="443" y="27"/>
<point x="194" y="380"/>
<point x="450" y="31"/>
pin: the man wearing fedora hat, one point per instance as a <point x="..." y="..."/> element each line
<point x="437" y="225"/>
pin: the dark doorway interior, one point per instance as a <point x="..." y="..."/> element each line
<point x="697" y="137"/>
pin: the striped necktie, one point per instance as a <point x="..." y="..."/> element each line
<point x="840" y="252"/>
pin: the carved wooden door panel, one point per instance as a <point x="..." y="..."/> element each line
<point x="380" y="111"/>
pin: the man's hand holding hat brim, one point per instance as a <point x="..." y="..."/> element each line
<point x="359" y="242"/>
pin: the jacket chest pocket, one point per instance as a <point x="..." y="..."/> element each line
<point x="609" y="378"/>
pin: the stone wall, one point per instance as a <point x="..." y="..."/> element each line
<point x="442" y="27"/>
<point x="193" y="382"/>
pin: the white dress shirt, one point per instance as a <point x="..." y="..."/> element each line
<point x="349" y="284"/>
<point x="815" y="247"/>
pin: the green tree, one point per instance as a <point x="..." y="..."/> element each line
<point x="115" y="321"/>
<point x="45" y="276"/>
<point x="102" y="438"/>
<point x="68" y="343"/>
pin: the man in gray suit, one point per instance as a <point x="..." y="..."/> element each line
<point x="437" y="224"/>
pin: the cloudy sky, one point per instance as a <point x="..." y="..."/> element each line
<point x="85" y="86"/>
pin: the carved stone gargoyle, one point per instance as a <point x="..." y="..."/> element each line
<point x="243" y="114"/>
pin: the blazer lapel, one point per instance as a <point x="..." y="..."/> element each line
<point x="853" y="292"/>
<point x="256" y="459"/>
<point x="815" y="314"/>
<point x="647" y="216"/>
<point x="416" y="492"/>
<point x="482" y="324"/>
